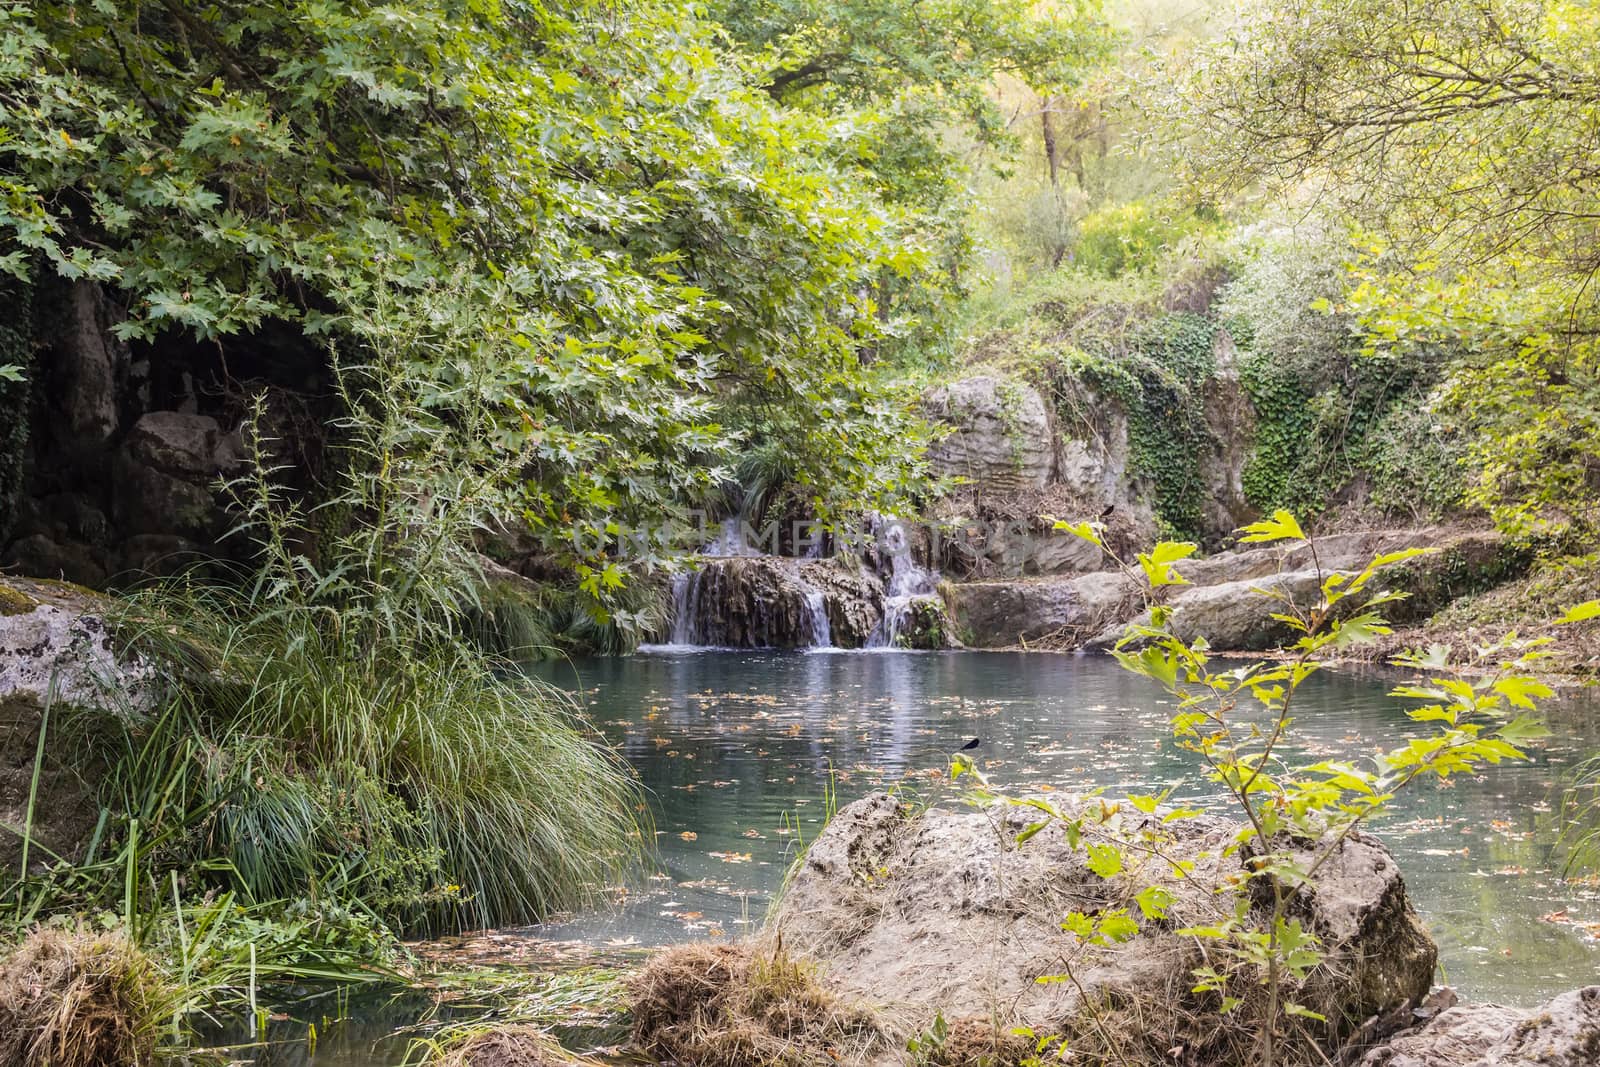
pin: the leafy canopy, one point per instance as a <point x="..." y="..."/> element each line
<point x="660" y="254"/>
<point x="1459" y="134"/>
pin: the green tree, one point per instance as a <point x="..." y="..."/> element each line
<point x="1460" y="134"/>
<point x="660" y="252"/>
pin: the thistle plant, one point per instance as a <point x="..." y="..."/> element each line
<point x="1295" y="815"/>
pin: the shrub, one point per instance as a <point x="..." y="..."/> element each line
<point x="1134" y="237"/>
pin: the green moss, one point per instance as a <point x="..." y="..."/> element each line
<point x="924" y="629"/>
<point x="15" y="601"/>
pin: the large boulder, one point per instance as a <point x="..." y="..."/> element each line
<point x="944" y="913"/>
<point x="56" y="650"/>
<point x="1563" y="1032"/>
<point x="1060" y="612"/>
<point x="187" y="446"/>
<point x="1000" y="434"/>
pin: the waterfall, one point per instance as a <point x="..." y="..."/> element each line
<point x="741" y="597"/>
<point x="821" y="632"/>
<point x="909" y="583"/>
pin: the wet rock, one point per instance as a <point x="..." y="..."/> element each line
<point x="1063" y="612"/>
<point x="852" y="598"/>
<point x="1563" y="1032"/>
<point x="1001" y="436"/>
<point x="775" y="602"/>
<point x="944" y="913"/>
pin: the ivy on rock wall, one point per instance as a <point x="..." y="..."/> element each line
<point x="1167" y="428"/>
<point x="1358" y="419"/>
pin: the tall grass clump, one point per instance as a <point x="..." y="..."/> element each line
<point x="325" y="727"/>
<point x="425" y="779"/>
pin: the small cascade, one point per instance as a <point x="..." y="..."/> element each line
<point x="911" y="589"/>
<point x="821" y="631"/>
<point x="739" y="597"/>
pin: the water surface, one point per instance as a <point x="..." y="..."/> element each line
<point x="740" y="750"/>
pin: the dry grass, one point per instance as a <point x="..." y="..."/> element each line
<point x="975" y="1042"/>
<point x="736" y="1005"/>
<point x="511" y="1046"/>
<point x="77" y="1000"/>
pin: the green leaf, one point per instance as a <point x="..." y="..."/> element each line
<point x="1081" y="529"/>
<point x="1153" y="902"/>
<point x="1280" y="527"/>
<point x="1589" y="609"/>
<point x="1301" y="1011"/>
<point x="1105" y="859"/>
<point x="1157" y="563"/>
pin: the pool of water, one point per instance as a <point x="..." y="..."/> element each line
<point x="740" y="751"/>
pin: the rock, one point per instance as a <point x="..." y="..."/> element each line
<point x="1014" y="548"/>
<point x="1001" y="436"/>
<point x="1457" y="1036"/>
<point x="1563" y="1032"/>
<point x="774" y="602"/>
<point x="943" y="912"/>
<point x="192" y="447"/>
<point x="160" y="554"/>
<point x="56" y="634"/>
<point x="71" y="562"/>
<point x="150" y="501"/>
<point x="1061" y="611"/>
<point x="90" y="365"/>
<point x="56" y="650"/>
<point x="1231" y="418"/>
<point x="852" y="598"/>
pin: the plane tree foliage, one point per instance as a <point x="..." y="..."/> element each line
<point x="658" y="251"/>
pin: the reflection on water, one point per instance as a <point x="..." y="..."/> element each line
<point x="739" y="750"/>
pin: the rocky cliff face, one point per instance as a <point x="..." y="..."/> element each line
<point x="125" y="442"/>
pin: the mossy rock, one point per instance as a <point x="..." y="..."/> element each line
<point x="926" y="628"/>
<point x="14" y="601"/>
